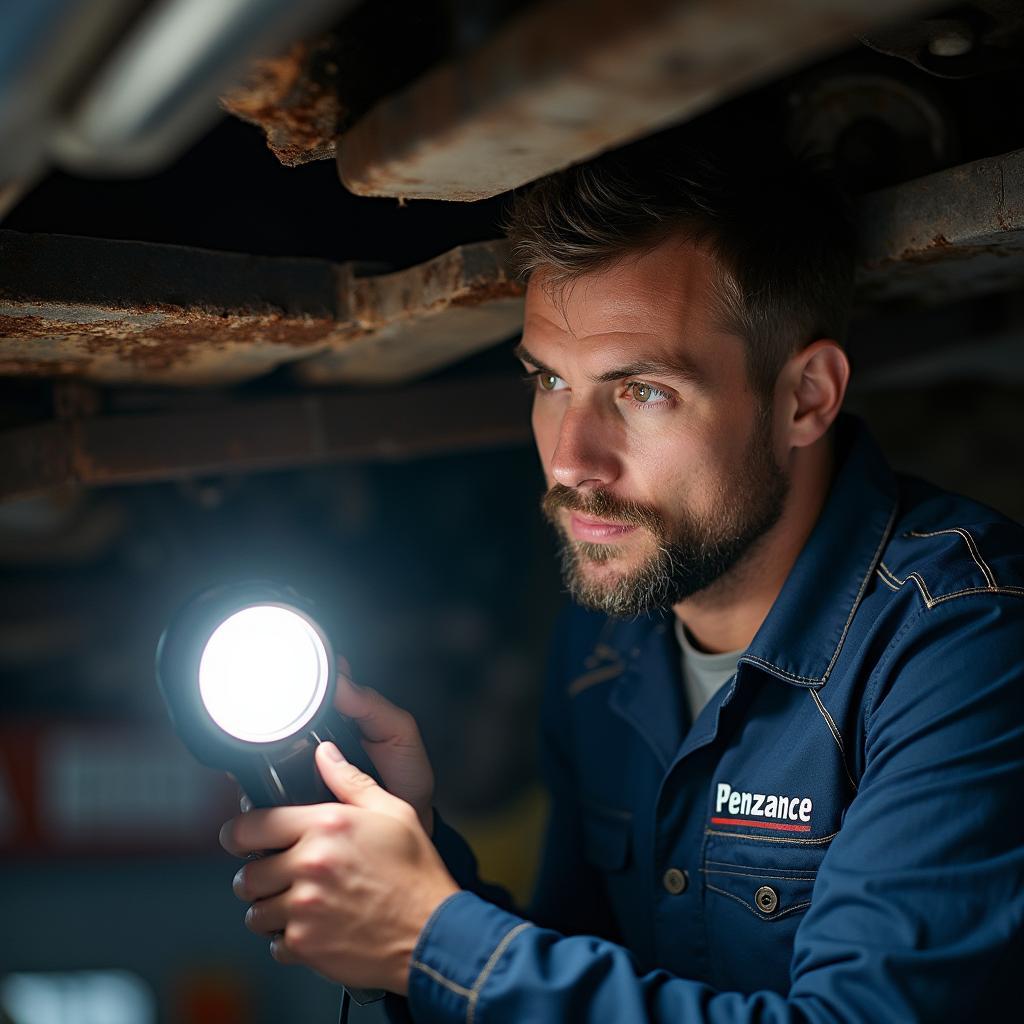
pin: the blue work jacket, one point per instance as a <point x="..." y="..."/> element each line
<point x="837" y="837"/>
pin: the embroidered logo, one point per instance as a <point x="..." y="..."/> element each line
<point x="753" y="809"/>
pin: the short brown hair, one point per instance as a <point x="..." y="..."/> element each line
<point x="782" y="236"/>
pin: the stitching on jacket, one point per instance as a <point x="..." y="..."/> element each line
<point x="729" y="864"/>
<point x="1009" y="591"/>
<point x="835" y="735"/>
<point x="972" y="547"/>
<point x="757" y="913"/>
<point x="452" y="986"/>
<point x="759" y="874"/>
<point x="875" y="558"/>
<point x="597" y="672"/>
<point x="931" y="602"/>
<point x="499" y="950"/>
<point x="771" y="839"/>
<point x="781" y="671"/>
<point x="890" y="583"/>
<point x="472" y="995"/>
<point x="921" y="585"/>
<point x="592" y="678"/>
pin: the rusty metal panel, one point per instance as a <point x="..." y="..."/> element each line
<point x="132" y="312"/>
<point x="118" y="312"/>
<point x="408" y="323"/>
<point x="294" y="98"/>
<point x="946" y="236"/>
<point x="438" y="417"/>
<point x="572" y="78"/>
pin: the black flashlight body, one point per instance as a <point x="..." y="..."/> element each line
<point x="273" y="773"/>
<point x="292" y="776"/>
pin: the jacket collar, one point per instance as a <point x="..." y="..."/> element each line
<point x="803" y="633"/>
<point x="801" y="637"/>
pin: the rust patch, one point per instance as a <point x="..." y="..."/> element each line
<point x="490" y="291"/>
<point x="173" y="342"/>
<point x="294" y="99"/>
<point x="41" y="368"/>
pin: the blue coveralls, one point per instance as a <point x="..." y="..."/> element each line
<point x="839" y="836"/>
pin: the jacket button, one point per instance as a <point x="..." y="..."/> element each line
<point x="675" y="881"/>
<point x="767" y="899"/>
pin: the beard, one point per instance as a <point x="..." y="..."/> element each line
<point x="693" y="550"/>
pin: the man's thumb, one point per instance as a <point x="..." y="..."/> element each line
<point x="346" y="781"/>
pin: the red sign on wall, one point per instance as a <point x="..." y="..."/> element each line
<point x="107" y="788"/>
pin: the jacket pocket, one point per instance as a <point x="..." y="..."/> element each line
<point x="755" y="896"/>
<point x="767" y="894"/>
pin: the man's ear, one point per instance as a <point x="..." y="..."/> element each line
<point x="810" y="390"/>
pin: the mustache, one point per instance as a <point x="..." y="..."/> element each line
<point x="600" y="505"/>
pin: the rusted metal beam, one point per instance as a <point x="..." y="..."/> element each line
<point x="571" y="78"/>
<point x="946" y="236"/>
<point x="460" y="414"/>
<point x="129" y="312"/>
<point x="407" y="323"/>
<point x="116" y="312"/>
<point x="305" y="97"/>
<point x="119" y="312"/>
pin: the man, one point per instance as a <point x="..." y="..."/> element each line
<point x="783" y="728"/>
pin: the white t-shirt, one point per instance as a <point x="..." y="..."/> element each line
<point x="703" y="674"/>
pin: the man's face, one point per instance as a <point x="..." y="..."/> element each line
<point x="659" y="457"/>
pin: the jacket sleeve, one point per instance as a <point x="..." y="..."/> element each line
<point x="918" y="908"/>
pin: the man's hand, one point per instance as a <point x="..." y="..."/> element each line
<point x="392" y="741"/>
<point x="353" y="885"/>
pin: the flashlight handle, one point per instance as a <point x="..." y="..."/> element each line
<point x="364" y="996"/>
<point x="346" y="737"/>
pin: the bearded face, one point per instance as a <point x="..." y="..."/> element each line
<point x="689" y="550"/>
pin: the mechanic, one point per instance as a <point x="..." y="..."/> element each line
<point x="784" y="723"/>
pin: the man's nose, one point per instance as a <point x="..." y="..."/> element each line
<point x="584" y="453"/>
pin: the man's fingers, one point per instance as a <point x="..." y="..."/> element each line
<point x="351" y="786"/>
<point x="272" y="828"/>
<point x="378" y="719"/>
<point x="262" y="878"/>
<point x="280" y="952"/>
<point x="267" y="917"/>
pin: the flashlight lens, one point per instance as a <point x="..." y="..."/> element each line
<point x="263" y="673"/>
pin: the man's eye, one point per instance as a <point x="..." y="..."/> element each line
<point x="549" y="382"/>
<point x="645" y="394"/>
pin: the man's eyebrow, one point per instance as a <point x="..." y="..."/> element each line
<point x="522" y="353"/>
<point x="681" y="369"/>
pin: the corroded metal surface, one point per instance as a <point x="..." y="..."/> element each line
<point x="946" y="236"/>
<point x="407" y="323"/>
<point x="263" y="434"/>
<point x="294" y="99"/>
<point x="304" y="98"/>
<point x="119" y="312"/>
<point x="571" y="78"/>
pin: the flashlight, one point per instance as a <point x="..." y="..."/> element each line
<point x="248" y="678"/>
<point x="247" y="675"/>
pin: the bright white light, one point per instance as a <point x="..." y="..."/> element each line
<point x="263" y="673"/>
